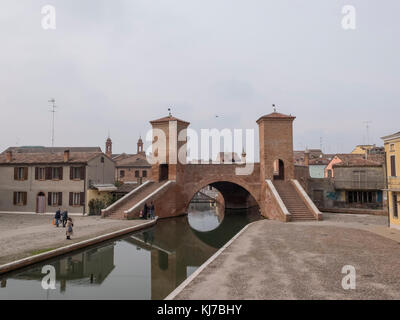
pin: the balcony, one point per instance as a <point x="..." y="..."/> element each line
<point x="359" y="185"/>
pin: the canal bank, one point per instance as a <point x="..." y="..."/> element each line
<point x="27" y="239"/>
<point x="274" y="260"/>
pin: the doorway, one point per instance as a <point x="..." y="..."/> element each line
<point x="163" y="172"/>
<point x="279" y="170"/>
<point x="41" y="203"/>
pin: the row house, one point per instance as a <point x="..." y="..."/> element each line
<point x="41" y="180"/>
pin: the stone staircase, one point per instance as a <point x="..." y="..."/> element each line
<point x="293" y="201"/>
<point x="118" y="212"/>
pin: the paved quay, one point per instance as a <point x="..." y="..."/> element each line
<point x="304" y="260"/>
<point x="26" y="235"/>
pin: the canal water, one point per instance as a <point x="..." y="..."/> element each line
<point x="145" y="265"/>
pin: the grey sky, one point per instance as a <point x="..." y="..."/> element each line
<point x="115" y="65"/>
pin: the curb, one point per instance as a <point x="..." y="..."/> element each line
<point x="66" y="249"/>
<point x="188" y="280"/>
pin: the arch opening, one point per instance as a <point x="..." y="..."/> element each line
<point x="211" y="204"/>
<point x="279" y="170"/>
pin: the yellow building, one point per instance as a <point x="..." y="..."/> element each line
<point x="362" y="148"/>
<point x="392" y="149"/>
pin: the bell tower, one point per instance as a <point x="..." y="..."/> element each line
<point x="140" y="146"/>
<point x="276" y="146"/>
<point x="109" y="147"/>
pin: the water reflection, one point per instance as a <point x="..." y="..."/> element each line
<point x="145" y="265"/>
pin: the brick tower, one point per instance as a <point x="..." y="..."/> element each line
<point x="276" y="146"/>
<point x="140" y="146"/>
<point x="166" y="147"/>
<point x="109" y="147"/>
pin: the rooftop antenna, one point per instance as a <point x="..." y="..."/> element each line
<point x="320" y="143"/>
<point x="53" y="111"/>
<point x="273" y="106"/>
<point x="367" y="129"/>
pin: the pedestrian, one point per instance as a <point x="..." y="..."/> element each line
<point x="64" y="217"/>
<point x="58" y="216"/>
<point x="145" y="209"/>
<point x="69" y="226"/>
<point x="152" y="210"/>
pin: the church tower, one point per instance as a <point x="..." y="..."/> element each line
<point x="109" y="147"/>
<point x="140" y="146"/>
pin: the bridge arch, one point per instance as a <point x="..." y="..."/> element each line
<point x="240" y="187"/>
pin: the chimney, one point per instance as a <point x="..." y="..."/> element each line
<point x="306" y="157"/>
<point x="66" y="155"/>
<point x="9" y="156"/>
<point x="243" y="156"/>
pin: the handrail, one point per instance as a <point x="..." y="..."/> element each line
<point x="125" y="197"/>
<point x="307" y="199"/>
<point x="277" y="197"/>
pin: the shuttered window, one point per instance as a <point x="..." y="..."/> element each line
<point x="76" y="198"/>
<point x="21" y="173"/>
<point x="393" y="166"/>
<point x="77" y="173"/>
<point x="395" y="206"/>
<point x="20" y="198"/>
<point x="54" y="199"/>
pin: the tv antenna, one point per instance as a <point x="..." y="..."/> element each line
<point x="53" y="111"/>
<point x="367" y="129"/>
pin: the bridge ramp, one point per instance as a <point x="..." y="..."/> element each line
<point x="293" y="201"/>
<point x="129" y="201"/>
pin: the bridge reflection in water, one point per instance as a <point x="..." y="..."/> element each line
<point x="145" y="265"/>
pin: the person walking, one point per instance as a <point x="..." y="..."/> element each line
<point x="152" y="210"/>
<point x="64" y="217"/>
<point x="145" y="209"/>
<point x="58" y="217"/>
<point x="69" y="226"/>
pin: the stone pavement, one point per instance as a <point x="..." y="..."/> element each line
<point x="304" y="260"/>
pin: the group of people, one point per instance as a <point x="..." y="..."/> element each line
<point x="62" y="217"/>
<point x="148" y="211"/>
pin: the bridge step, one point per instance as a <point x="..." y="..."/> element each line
<point x="119" y="213"/>
<point x="293" y="202"/>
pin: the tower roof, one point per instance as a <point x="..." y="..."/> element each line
<point x="167" y="119"/>
<point x="276" y="116"/>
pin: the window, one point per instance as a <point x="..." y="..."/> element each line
<point x="20" y="198"/>
<point x="76" y="198"/>
<point x="144" y="173"/>
<point x="393" y="166"/>
<point x="395" y="206"/>
<point x="76" y="173"/>
<point x="56" y="173"/>
<point x="137" y="174"/>
<point x="122" y="174"/>
<point x="329" y="173"/>
<point x="102" y="160"/>
<point x="20" y="173"/>
<point x="391" y="148"/>
<point x="40" y="173"/>
<point x="55" y="199"/>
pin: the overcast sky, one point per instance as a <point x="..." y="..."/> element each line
<point x="113" y="65"/>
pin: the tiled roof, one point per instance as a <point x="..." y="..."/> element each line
<point x="319" y="161"/>
<point x="276" y="115"/>
<point x="168" y="118"/>
<point x="48" y="158"/>
<point x="134" y="160"/>
<point x="40" y="149"/>
<point x="358" y="162"/>
<point x="127" y="187"/>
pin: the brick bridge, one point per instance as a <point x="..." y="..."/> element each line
<point x="271" y="184"/>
